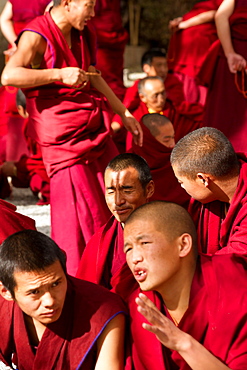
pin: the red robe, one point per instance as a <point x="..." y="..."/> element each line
<point x="220" y="232"/>
<point x="73" y="129"/>
<point x="226" y="107"/>
<point x="185" y="118"/>
<point x="216" y="317"/>
<point x="158" y="158"/>
<point x="12" y="221"/>
<point x="68" y="343"/>
<point x="111" y="41"/>
<point x="188" y="49"/>
<point x="104" y="262"/>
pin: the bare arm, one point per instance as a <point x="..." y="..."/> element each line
<point x="31" y="49"/>
<point x="178" y="23"/>
<point x="235" y="61"/>
<point x="130" y="123"/>
<point x="195" y="355"/>
<point x="110" y="345"/>
<point x="7" y="28"/>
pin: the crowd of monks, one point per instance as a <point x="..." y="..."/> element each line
<point x="147" y="187"/>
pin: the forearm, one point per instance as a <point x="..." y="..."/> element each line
<point x="117" y="106"/>
<point x="8" y="31"/>
<point x="22" y="77"/>
<point x="198" y="357"/>
<point x="201" y="18"/>
<point x="223" y="27"/>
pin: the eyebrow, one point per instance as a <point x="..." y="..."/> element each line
<point x="140" y="237"/>
<point x="122" y="187"/>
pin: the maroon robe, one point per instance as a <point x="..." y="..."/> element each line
<point x="73" y="129"/>
<point x="226" y="107"/>
<point x="188" y="49"/>
<point x="216" y="317"/>
<point x="111" y="41"/>
<point x="68" y="343"/>
<point x="220" y="232"/>
<point x="185" y="118"/>
<point x="12" y="221"/>
<point x="104" y="262"/>
<point x="158" y="158"/>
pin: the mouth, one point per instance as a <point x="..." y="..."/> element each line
<point x="121" y="211"/>
<point x="50" y="313"/>
<point x="140" y="275"/>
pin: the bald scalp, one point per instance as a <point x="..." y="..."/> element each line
<point x="169" y="218"/>
<point x="153" y="121"/>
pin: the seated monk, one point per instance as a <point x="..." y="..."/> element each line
<point x="29" y="170"/>
<point x="198" y="320"/>
<point x="186" y="117"/>
<point x="128" y="184"/>
<point x="158" y="141"/>
<point x="50" y="320"/>
<point x="153" y="63"/>
<point x="208" y="168"/>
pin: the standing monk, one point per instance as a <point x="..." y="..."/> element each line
<point x="69" y="118"/>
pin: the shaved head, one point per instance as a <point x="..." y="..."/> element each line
<point x="169" y="218"/>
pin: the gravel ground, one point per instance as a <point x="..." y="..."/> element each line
<point x="25" y="202"/>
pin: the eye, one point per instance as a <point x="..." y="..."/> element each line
<point x="56" y="283"/>
<point x="127" y="249"/>
<point x="33" y="292"/>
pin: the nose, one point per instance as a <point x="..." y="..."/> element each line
<point x="136" y="256"/>
<point x="172" y="143"/>
<point x="48" y="300"/>
<point x="119" y="199"/>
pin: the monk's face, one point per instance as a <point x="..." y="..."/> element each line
<point x="154" y="95"/>
<point x="166" y="135"/>
<point x="153" y="260"/>
<point x="124" y="192"/>
<point x="158" y="67"/>
<point x="41" y="294"/>
<point x="78" y="12"/>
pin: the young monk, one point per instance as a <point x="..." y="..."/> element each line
<point x="69" y="118"/>
<point x="208" y="168"/>
<point x="158" y="141"/>
<point x="128" y="185"/>
<point x="200" y="318"/>
<point x="50" y="320"/>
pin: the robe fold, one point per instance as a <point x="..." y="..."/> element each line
<point x="226" y="106"/>
<point x="72" y="127"/>
<point x="103" y="261"/>
<point x="158" y="158"/>
<point x="220" y="232"/>
<point x="216" y="317"/>
<point x="188" y="49"/>
<point x="12" y="221"/>
<point x="185" y="118"/>
<point x="69" y="342"/>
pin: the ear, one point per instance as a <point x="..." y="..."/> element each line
<point x="22" y="112"/>
<point x="143" y="98"/>
<point x="5" y="293"/>
<point x="203" y="178"/>
<point x="150" y="189"/>
<point x="146" y="68"/>
<point x="185" y="244"/>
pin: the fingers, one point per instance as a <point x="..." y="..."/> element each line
<point x="138" y="135"/>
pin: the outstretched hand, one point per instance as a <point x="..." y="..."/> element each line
<point x="166" y="332"/>
<point x="134" y="127"/>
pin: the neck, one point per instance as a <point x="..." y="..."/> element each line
<point x="227" y="189"/>
<point x="35" y="330"/>
<point x="176" y="294"/>
<point x="58" y="15"/>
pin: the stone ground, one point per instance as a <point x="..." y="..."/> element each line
<point x="25" y="202"/>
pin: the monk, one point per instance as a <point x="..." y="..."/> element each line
<point x="208" y="168"/>
<point x="158" y="141"/>
<point x="29" y="171"/>
<point x="153" y="63"/>
<point x="185" y="118"/>
<point x="128" y="184"/>
<point x="50" y="320"/>
<point x="198" y="320"/>
<point x="227" y="63"/>
<point x="12" y="221"/>
<point x="69" y="118"/>
<point x="192" y="36"/>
